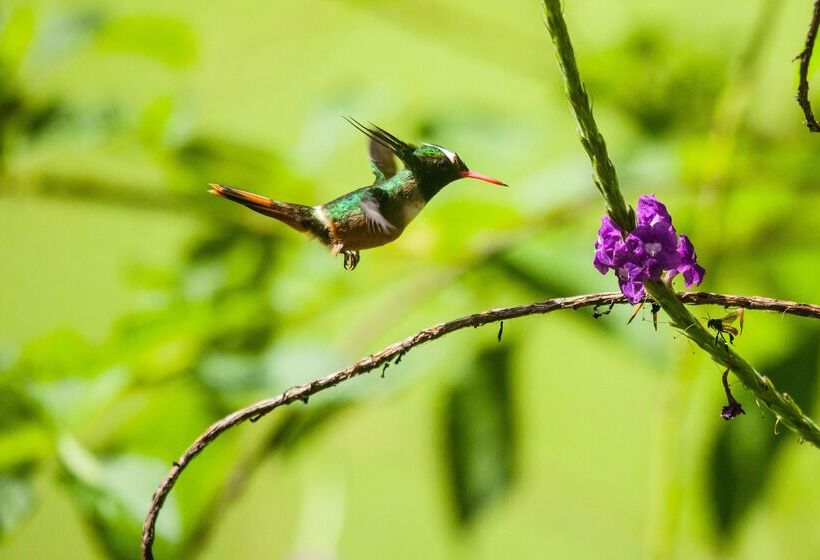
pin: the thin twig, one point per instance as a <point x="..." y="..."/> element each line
<point x="805" y="59"/>
<point x="751" y="302"/>
<point x="397" y="350"/>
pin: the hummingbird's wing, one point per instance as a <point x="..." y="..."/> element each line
<point x="382" y="160"/>
<point x="372" y="212"/>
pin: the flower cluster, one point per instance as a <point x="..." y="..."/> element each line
<point x="651" y="249"/>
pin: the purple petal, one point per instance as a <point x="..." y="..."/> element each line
<point x="692" y="272"/>
<point x="651" y="211"/>
<point x="693" y="275"/>
<point x="630" y="280"/>
<point x="609" y="241"/>
<point x="600" y="263"/>
<point x="659" y="244"/>
<point x="731" y="410"/>
<point x="608" y="228"/>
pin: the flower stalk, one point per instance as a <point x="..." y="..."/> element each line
<point x="603" y="171"/>
<point x="733" y="409"/>
<point x="780" y="404"/>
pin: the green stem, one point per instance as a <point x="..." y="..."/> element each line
<point x="781" y="404"/>
<point x="603" y="171"/>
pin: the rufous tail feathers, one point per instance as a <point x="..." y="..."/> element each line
<point x="297" y="216"/>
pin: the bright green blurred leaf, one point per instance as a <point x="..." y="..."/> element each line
<point x="17" y="31"/>
<point x="24" y="445"/>
<point x="170" y="41"/>
<point x="61" y="353"/>
<point x="16" y="500"/>
<point x="113" y="495"/>
<point x="72" y="402"/>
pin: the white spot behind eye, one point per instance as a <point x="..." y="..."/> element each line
<point x="450" y="155"/>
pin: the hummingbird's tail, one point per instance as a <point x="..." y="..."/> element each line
<point x="297" y="216"/>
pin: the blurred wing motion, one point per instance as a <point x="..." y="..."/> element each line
<point x="372" y="211"/>
<point x="731" y="317"/>
<point x="382" y="160"/>
<point x="724" y="324"/>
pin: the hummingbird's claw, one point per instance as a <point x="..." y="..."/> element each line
<point x="351" y="259"/>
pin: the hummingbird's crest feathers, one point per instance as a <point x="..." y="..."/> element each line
<point x="403" y="150"/>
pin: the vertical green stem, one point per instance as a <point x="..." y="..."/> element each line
<point x="603" y="171"/>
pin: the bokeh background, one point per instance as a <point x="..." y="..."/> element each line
<point x="135" y="309"/>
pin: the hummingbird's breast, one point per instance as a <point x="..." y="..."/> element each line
<point x="412" y="204"/>
<point x="348" y="226"/>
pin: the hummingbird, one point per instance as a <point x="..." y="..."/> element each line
<point x="375" y="215"/>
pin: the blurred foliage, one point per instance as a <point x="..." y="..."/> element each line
<point x="680" y="82"/>
<point x="137" y="310"/>
<point x="742" y="463"/>
<point x="480" y="454"/>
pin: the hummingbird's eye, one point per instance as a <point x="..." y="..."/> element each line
<point x="460" y="164"/>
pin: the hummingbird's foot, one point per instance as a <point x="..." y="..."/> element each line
<point x="351" y="259"/>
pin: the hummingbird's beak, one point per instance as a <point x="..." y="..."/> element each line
<point x="480" y="177"/>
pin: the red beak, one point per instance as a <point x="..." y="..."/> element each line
<point x="480" y="177"/>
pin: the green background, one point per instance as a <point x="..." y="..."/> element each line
<point x="135" y="310"/>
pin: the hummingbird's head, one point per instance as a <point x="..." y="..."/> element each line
<point x="440" y="166"/>
<point x="434" y="167"/>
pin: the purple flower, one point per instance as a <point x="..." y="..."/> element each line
<point x="692" y="272"/>
<point x="608" y="240"/>
<point x="658" y="244"/>
<point x="651" y="211"/>
<point x="630" y="279"/>
<point x="651" y="249"/>
<point x="731" y="410"/>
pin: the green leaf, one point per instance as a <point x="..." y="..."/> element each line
<point x="299" y="424"/>
<point x="16" y="35"/>
<point x="24" y="445"/>
<point x="744" y="454"/>
<point x="208" y="158"/>
<point x="60" y="354"/>
<point x="168" y="40"/>
<point x="113" y="496"/>
<point x="480" y="435"/>
<point x="73" y="402"/>
<point x="16" y="499"/>
<point x="24" y="437"/>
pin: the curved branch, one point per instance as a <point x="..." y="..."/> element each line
<point x="398" y="350"/>
<point x="805" y="59"/>
<point x="751" y="302"/>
